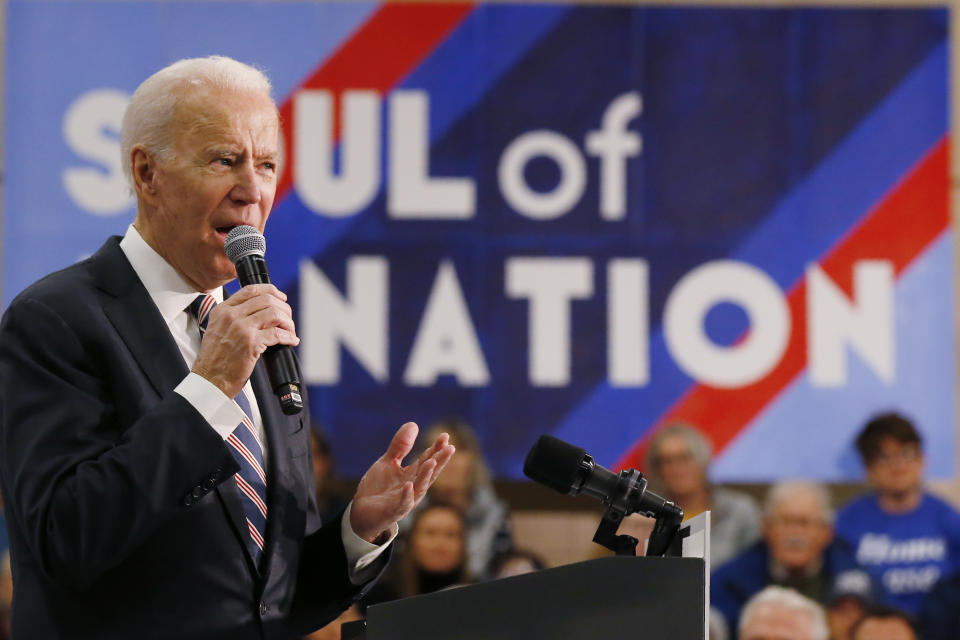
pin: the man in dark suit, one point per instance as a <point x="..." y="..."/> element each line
<point x="128" y="499"/>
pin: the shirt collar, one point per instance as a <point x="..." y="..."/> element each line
<point x="167" y="289"/>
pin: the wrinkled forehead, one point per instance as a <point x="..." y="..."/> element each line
<point x="211" y="114"/>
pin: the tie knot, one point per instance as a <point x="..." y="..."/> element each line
<point x="201" y="307"/>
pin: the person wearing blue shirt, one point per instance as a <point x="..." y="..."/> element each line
<point x="905" y="536"/>
<point x="798" y="551"/>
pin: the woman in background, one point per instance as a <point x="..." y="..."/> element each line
<point x="678" y="461"/>
<point x="465" y="484"/>
<point x="433" y="556"/>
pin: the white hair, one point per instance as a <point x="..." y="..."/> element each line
<point x="700" y="448"/>
<point x="784" y="490"/>
<point x="787" y="599"/>
<point x="152" y="107"/>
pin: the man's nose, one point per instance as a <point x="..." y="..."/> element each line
<point x="246" y="189"/>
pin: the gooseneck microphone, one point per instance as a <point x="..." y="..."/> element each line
<point x="245" y="247"/>
<point x="570" y="470"/>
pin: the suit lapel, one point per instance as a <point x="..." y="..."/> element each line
<point x="142" y="329"/>
<point x="137" y="320"/>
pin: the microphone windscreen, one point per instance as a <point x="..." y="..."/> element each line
<point x="244" y="240"/>
<point x="554" y="463"/>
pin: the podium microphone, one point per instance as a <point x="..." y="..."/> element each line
<point x="245" y="246"/>
<point x="570" y="470"/>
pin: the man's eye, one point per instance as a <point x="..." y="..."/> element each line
<point x="227" y="162"/>
<point x="270" y="166"/>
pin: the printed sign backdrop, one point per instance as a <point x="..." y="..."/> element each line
<point x="586" y="221"/>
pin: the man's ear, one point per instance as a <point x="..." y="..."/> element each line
<point x="144" y="170"/>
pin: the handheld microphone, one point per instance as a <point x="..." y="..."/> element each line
<point x="245" y="247"/>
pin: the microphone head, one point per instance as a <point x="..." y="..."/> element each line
<point x="244" y="240"/>
<point x="556" y="464"/>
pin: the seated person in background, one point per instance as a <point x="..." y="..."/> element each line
<point x="885" y="623"/>
<point x="6" y="595"/>
<point x="466" y="485"/>
<point x="905" y="536"/>
<point x="515" y="563"/>
<point x="939" y="617"/>
<point x="678" y="461"/>
<point x="332" y="630"/>
<point x="433" y="557"/>
<point x="853" y="593"/>
<point x="329" y="503"/>
<point x="777" y="613"/>
<point x="797" y="551"/>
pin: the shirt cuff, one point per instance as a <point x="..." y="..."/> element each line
<point x="360" y="553"/>
<point x="221" y="412"/>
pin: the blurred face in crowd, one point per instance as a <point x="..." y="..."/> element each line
<point x="437" y="540"/>
<point x="884" y="629"/>
<point x="772" y="621"/>
<point x="797" y="531"/>
<point x="456" y="475"/>
<point x="516" y="567"/>
<point x="222" y="173"/>
<point x="842" y="615"/>
<point x="897" y="468"/>
<point x="680" y="473"/>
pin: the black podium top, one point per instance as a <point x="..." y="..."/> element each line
<point x="648" y="598"/>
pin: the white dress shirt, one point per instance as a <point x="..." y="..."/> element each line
<point x="173" y="296"/>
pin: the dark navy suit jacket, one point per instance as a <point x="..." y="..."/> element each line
<point x="125" y="521"/>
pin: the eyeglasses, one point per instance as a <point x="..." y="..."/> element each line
<point x="679" y="458"/>
<point x="906" y="454"/>
<point x="799" y="522"/>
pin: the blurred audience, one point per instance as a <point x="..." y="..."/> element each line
<point x="852" y="594"/>
<point x="329" y="502"/>
<point x="886" y="623"/>
<point x="465" y="484"/>
<point x="433" y="556"/>
<point x="939" y="617"/>
<point x="332" y="630"/>
<point x="797" y="551"/>
<point x="515" y="563"/>
<point x="6" y="595"/>
<point x="777" y="613"/>
<point x="904" y="535"/>
<point x="678" y="462"/>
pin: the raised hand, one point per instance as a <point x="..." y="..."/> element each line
<point x="388" y="491"/>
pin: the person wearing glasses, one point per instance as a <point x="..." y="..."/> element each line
<point x="905" y="536"/>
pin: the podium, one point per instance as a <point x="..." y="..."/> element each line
<point x="632" y="597"/>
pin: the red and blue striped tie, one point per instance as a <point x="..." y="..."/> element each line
<point x="245" y="447"/>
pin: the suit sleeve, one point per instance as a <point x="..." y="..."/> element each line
<point x="86" y="489"/>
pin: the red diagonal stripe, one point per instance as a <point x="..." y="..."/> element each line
<point x="243" y="451"/>
<point x="255" y="535"/>
<point x="396" y="39"/>
<point x="898" y="229"/>
<point x="252" y="494"/>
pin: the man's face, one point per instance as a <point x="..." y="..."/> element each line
<point x="680" y="473"/>
<point x="223" y="173"/>
<point x="796" y="530"/>
<point x="775" y="622"/>
<point x="897" y="468"/>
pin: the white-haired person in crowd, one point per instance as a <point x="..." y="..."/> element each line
<point x="798" y="550"/>
<point x="778" y="613"/>
<point x="678" y="463"/>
